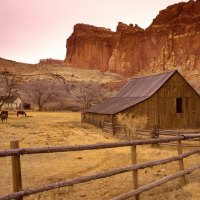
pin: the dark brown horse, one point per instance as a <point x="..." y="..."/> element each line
<point x="21" y="112"/>
<point x="4" y="112"/>
<point x="3" y="117"/>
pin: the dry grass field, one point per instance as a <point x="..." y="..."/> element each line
<point x="41" y="129"/>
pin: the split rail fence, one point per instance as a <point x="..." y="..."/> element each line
<point x="15" y="152"/>
<point x="158" y="133"/>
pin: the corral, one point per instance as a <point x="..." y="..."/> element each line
<point x="50" y="129"/>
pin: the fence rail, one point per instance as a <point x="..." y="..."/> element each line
<point x="159" y="133"/>
<point x="22" y="151"/>
<point x="157" y="183"/>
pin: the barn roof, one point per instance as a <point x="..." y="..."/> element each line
<point x="144" y="86"/>
<point x="115" y="105"/>
<point x="132" y="93"/>
<point x="11" y="99"/>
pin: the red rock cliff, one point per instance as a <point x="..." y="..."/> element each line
<point x="172" y="40"/>
<point x="90" y="47"/>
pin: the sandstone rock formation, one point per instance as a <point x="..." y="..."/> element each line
<point x="90" y="47"/>
<point x="50" y="61"/>
<point x="171" y="41"/>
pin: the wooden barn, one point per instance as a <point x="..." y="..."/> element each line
<point x="13" y="102"/>
<point x="167" y="100"/>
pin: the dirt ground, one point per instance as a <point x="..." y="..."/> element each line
<point x="41" y="129"/>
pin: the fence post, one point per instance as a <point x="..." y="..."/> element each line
<point x="134" y="172"/>
<point x="82" y="116"/>
<point x="16" y="169"/>
<point x="155" y="134"/>
<point x="181" y="164"/>
<point x="113" y="124"/>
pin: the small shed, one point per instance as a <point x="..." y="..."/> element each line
<point x="13" y="102"/>
<point x="167" y="99"/>
<point x="26" y="106"/>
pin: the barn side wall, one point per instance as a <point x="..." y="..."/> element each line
<point x="161" y="107"/>
<point x="96" y="119"/>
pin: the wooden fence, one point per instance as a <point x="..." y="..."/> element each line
<point x="16" y="152"/>
<point x="157" y="133"/>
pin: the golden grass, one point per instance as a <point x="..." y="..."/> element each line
<point x="132" y="122"/>
<point x="64" y="128"/>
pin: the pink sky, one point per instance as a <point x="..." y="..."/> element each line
<point x="35" y="29"/>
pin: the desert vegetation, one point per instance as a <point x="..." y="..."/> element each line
<point x="8" y="86"/>
<point x="51" y="94"/>
<point x="56" y="87"/>
<point x="87" y="94"/>
<point x="132" y="122"/>
<point x="41" y="129"/>
<point x="42" y="92"/>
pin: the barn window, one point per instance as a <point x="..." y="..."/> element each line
<point x="179" y="103"/>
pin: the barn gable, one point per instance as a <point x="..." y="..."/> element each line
<point x="135" y="91"/>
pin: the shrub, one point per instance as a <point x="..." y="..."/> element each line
<point x="132" y="122"/>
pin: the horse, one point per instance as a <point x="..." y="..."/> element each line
<point x="3" y="117"/>
<point x="21" y="112"/>
<point x="4" y="112"/>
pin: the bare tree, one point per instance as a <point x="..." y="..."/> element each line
<point x="8" y="86"/>
<point x="59" y="77"/>
<point x="88" y="93"/>
<point x="41" y="92"/>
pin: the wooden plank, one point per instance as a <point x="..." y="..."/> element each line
<point x="183" y="145"/>
<point x="107" y="123"/>
<point x="105" y="126"/>
<point x="145" y="135"/>
<point x="121" y="135"/>
<point x="108" y="126"/>
<point x="134" y="172"/>
<point x="157" y="183"/>
<point x="107" y="129"/>
<point x="100" y="175"/>
<point x="23" y="151"/>
<point x="181" y="164"/>
<point x="16" y="169"/>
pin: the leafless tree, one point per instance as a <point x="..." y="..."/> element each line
<point x="88" y="93"/>
<point x="41" y="92"/>
<point x="61" y="78"/>
<point x="8" y="86"/>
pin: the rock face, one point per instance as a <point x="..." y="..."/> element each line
<point x="172" y="40"/>
<point x="50" y="61"/>
<point x="90" y="47"/>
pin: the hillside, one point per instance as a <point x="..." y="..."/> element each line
<point x="28" y="72"/>
<point x="43" y="71"/>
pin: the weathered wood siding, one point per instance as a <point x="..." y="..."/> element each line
<point x="96" y="119"/>
<point x="161" y="107"/>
